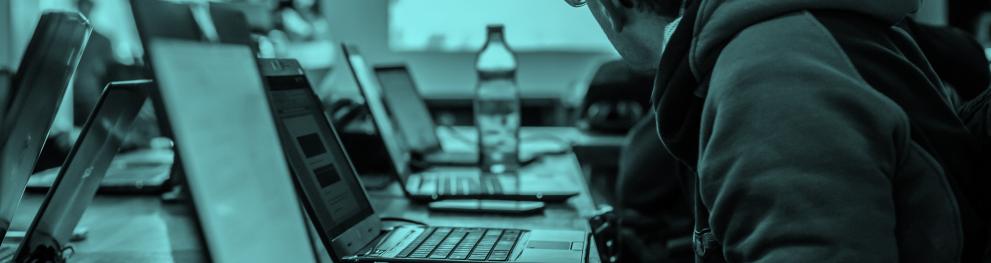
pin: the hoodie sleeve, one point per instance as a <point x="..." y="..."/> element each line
<point x="797" y="151"/>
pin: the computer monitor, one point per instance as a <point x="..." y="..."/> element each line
<point x="84" y="168"/>
<point x="45" y="72"/>
<point x="328" y="182"/>
<point x="408" y="108"/>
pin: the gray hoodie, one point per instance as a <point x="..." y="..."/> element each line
<point x="802" y="160"/>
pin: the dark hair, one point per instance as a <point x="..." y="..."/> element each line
<point x="670" y="8"/>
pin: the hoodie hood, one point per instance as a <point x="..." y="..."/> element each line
<point x="719" y="20"/>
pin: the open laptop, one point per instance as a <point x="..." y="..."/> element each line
<point x="77" y="182"/>
<point x="150" y="171"/>
<point x="451" y="184"/>
<point x="407" y="108"/>
<point x="137" y="172"/>
<point x="344" y="217"/>
<point x="45" y="72"/>
<point x="231" y="155"/>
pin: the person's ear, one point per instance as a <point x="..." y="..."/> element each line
<point x="617" y="13"/>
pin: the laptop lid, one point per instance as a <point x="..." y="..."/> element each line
<point x="395" y="146"/>
<point x="173" y="20"/>
<point x="84" y="168"/>
<point x="232" y="157"/>
<point x="161" y="19"/>
<point x="46" y="70"/>
<point x="334" y="197"/>
<point x="408" y="109"/>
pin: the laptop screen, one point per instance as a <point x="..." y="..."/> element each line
<point x="395" y="146"/>
<point x="408" y="109"/>
<point x="85" y="167"/>
<point x="317" y="158"/>
<point x="232" y="156"/>
<point x="46" y="70"/>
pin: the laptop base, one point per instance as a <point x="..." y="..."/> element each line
<point x="454" y="186"/>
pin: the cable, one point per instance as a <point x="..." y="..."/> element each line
<point x="404" y="220"/>
<point x="65" y="256"/>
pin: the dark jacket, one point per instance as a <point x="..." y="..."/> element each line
<point x="816" y="133"/>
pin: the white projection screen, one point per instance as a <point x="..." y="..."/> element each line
<point x="459" y="25"/>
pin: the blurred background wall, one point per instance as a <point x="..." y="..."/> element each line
<point x="443" y="64"/>
<point x="451" y="73"/>
<point x="548" y="71"/>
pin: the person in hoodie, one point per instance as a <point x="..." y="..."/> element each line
<point x="813" y="131"/>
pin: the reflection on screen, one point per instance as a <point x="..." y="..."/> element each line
<point x="338" y="197"/>
<point x="311" y="144"/>
<point x="336" y="193"/>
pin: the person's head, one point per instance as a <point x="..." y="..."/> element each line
<point x="635" y="27"/>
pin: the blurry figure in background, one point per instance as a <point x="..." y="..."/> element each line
<point x="302" y="20"/>
<point x="298" y="21"/>
<point x="303" y="33"/>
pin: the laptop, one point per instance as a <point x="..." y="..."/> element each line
<point x="407" y="108"/>
<point x="231" y="155"/>
<point x="451" y="183"/>
<point x="345" y="219"/>
<point x="84" y="168"/>
<point x="153" y="171"/>
<point x="143" y="171"/>
<point x="45" y="72"/>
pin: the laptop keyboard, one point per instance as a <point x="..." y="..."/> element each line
<point x="451" y="185"/>
<point x="476" y="244"/>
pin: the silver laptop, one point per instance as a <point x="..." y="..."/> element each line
<point x="235" y="168"/>
<point x="46" y="70"/>
<point x="452" y="183"/>
<point x="344" y="217"/>
<point x="84" y="168"/>
<point x="407" y="108"/>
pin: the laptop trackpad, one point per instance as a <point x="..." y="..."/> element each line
<point x="549" y="245"/>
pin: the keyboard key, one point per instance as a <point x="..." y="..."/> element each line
<point x="463" y="185"/>
<point x="445" y="247"/>
<point x="478" y="256"/>
<point x="498" y="256"/>
<point x="416" y="242"/>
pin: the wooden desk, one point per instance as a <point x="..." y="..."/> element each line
<point x="145" y="229"/>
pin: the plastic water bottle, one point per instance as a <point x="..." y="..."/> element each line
<point x="497" y="105"/>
